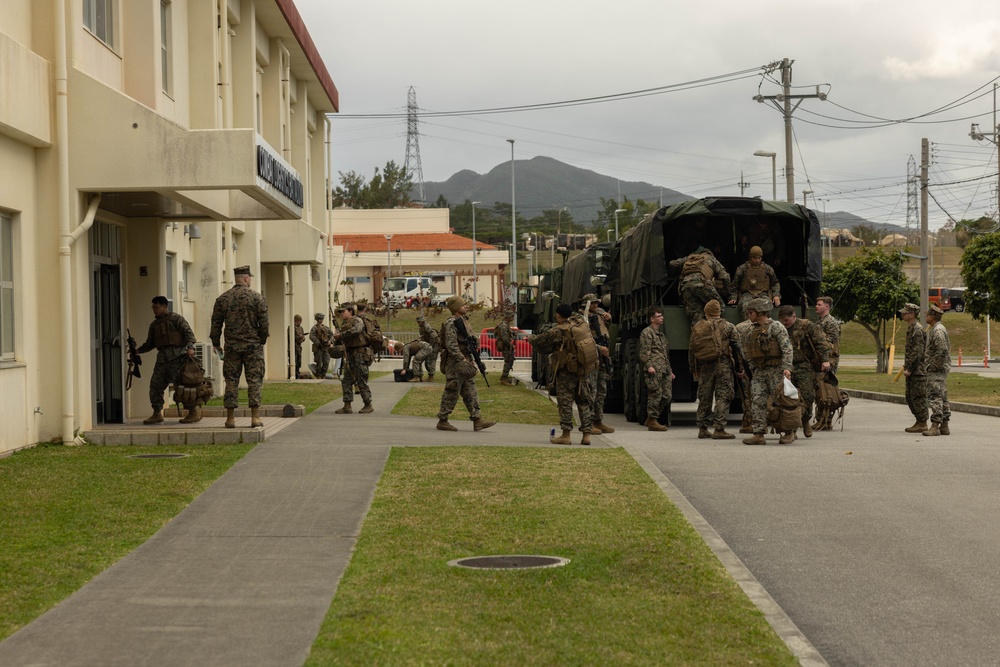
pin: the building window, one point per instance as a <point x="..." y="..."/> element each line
<point x="99" y="18"/>
<point x="6" y="286"/>
<point x="185" y="280"/>
<point x="166" y="71"/>
<point x="171" y="280"/>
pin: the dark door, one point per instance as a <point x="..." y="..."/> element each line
<point x="109" y="357"/>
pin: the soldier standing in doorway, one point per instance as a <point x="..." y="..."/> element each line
<point x="173" y="339"/>
<point x="322" y="342"/>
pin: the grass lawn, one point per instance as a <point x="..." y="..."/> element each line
<point x="511" y="405"/>
<point x="642" y="588"/>
<point x="962" y="387"/>
<point x="67" y="513"/>
<point x="963" y="332"/>
<point x="310" y="394"/>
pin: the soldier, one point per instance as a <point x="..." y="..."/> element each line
<point x="714" y="376"/>
<point x="770" y="353"/>
<point x="915" y="368"/>
<point x="505" y="345"/>
<point x="746" y="380"/>
<point x="322" y="342"/>
<point x="755" y="279"/>
<point x="809" y="350"/>
<point x="831" y="327"/>
<point x="700" y="273"/>
<point x="414" y="354"/>
<point x="357" y="358"/>
<point x="938" y="358"/>
<point x="300" y="336"/>
<point x="459" y="369"/>
<point x="571" y="386"/>
<point x="243" y="312"/>
<point x="429" y="336"/>
<point x="174" y="341"/>
<point x="654" y="354"/>
<point x="599" y="318"/>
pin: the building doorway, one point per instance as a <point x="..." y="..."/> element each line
<point x="108" y="339"/>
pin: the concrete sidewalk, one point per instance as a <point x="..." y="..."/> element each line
<point x="246" y="573"/>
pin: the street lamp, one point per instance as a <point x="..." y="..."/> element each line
<point x="617" y="211"/>
<point x="475" y="279"/>
<point x="388" y="274"/>
<point x="774" y="171"/>
<point x="513" y="233"/>
<point x="805" y="195"/>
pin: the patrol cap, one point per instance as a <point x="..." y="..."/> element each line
<point x="319" y="316"/>
<point x="933" y="308"/>
<point x="909" y="308"/>
<point x="242" y="271"/>
<point x="759" y="305"/>
<point x="756" y="251"/>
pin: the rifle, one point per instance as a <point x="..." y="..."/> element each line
<point x="601" y="339"/>
<point x="739" y="366"/>
<point x="471" y="346"/>
<point x="134" y="361"/>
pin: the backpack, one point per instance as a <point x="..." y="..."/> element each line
<point x="373" y="332"/>
<point x="706" y="341"/>
<point x="191" y="387"/>
<point x="698" y="264"/>
<point x="502" y="345"/>
<point x="784" y="413"/>
<point x="579" y="349"/>
<point x="829" y="399"/>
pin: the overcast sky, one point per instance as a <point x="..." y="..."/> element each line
<point x="874" y="60"/>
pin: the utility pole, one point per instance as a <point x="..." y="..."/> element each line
<point x="783" y="103"/>
<point x="743" y="185"/>
<point x="924" y="164"/>
<point x="993" y="138"/>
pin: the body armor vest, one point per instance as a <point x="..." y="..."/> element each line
<point x="755" y="281"/>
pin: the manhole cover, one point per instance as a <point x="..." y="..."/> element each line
<point x="509" y="562"/>
<point x="158" y="456"/>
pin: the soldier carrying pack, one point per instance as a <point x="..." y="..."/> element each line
<point x="706" y="340"/>
<point x="578" y="352"/>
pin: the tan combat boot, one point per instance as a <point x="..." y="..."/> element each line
<point x="703" y="433"/>
<point x="935" y="429"/>
<point x="562" y="439"/>
<point x="944" y="428"/>
<point x="585" y="440"/>
<point x="155" y="418"/>
<point x="230" y="418"/>
<point x="918" y="427"/>
<point x="756" y="439"/>
<point x="482" y="424"/>
<point x="722" y="434"/>
<point x="654" y="425"/>
<point x="746" y="426"/>
<point x="255" y="421"/>
<point x="192" y="417"/>
<point x="367" y="409"/>
<point x="787" y="438"/>
<point x="346" y="410"/>
<point x="806" y="427"/>
<point x="445" y="425"/>
<point x="601" y="425"/>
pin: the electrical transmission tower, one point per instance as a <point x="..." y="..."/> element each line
<point x="912" y="185"/>
<point x="413" y="168"/>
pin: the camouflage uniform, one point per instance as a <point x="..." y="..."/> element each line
<point x="743" y="336"/>
<point x="654" y="350"/>
<point x="698" y="289"/>
<point x="571" y="387"/>
<point x="715" y="379"/>
<point x="300" y="335"/>
<point x="244" y="314"/>
<point x="321" y="337"/>
<point x="938" y="359"/>
<point x="805" y="337"/>
<point x="455" y="353"/>
<point x="172" y="336"/>
<point x="753" y="282"/>
<point x="916" y="381"/>
<point x="831" y="327"/>
<point x="416" y="353"/>
<point x="355" y="370"/>
<point x="599" y="379"/>
<point x="767" y="370"/>
<point x="505" y="345"/>
<point x="429" y="336"/>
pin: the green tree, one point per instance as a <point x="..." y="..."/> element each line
<point x="387" y="189"/>
<point x="633" y="215"/>
<point x="866" y="233"/>
<point x="981" y="273"/>
<point x="441" y="202"/>
<point x="869" y="288"/>
<point x="966" y="230"/>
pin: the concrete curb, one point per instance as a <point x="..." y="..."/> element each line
<point x="973" y="408"/>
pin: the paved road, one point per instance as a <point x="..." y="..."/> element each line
<point x="883" y="547"/>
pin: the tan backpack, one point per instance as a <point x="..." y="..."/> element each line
<point x="706" y="340"/>
<point x="579" y="349"/>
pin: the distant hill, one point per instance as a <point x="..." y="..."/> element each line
<point x="545" y="183"/>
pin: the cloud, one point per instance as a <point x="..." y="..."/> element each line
<point x="955" y="53"/>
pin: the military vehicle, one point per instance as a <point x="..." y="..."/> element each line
<point x="638" y="278"/>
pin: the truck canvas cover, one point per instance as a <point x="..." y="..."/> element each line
<point x="579" y="270"/>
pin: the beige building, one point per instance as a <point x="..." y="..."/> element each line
<point x="148" y="147"/>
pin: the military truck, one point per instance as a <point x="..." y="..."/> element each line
<point x="639" y="278"/>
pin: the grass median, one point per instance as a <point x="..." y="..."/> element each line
<point x="962" y="387"/>
<point x="641" y="588"/>
<point x="515" y="404"/>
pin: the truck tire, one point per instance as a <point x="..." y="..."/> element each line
<point x="628" y="384"/>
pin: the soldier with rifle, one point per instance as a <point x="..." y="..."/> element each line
<point x="322" y="342"/>
<point x="459" y="363"/>
<point x="173" y="339"/>
<point x="598" y="319"/>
